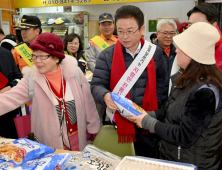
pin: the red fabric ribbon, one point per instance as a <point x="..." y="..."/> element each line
<point x="125" y="128"/>
<point x="220" y="41"/>
<point x="3" y="81"/>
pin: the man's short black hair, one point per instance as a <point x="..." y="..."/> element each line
<point x="153" y="36"/>
<point x="207" y="9"/>
<point x="130" y="11"/>
<point x="2" y="32"/>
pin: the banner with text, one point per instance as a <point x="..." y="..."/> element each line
<point x="45" y="3"/>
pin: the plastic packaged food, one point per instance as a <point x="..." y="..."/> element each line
<point x="126" y="107"/>
<point x="51" y="161"/>
<point x="9" y="166"/>
<point x="23" y="150"/>
<point x="64" y="160"/>
<point x="93" y="158"/>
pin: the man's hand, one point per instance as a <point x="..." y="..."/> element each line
<point x="138" y="119"/>
<point x="7" y="88"/>
<point x="109" y="102"/>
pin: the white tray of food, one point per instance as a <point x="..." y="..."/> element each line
<point x="142" y="163"/>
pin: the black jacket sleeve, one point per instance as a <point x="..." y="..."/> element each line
<point x="160" y="114"/>
<point x="81" y="60"/>
<point x="160" y="74"/>
<point x="198" y="114"/>
<point x="100" y="84"/>
<point x="8" y="67"/>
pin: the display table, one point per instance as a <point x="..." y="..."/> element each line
<point x="63" y="151"/>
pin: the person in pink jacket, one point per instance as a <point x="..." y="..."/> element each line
<point x="63" y="114"/>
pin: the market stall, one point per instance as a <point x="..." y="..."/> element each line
<point x="26" y="154"/>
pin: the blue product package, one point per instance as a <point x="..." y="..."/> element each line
<point x="23" y="150"/>
<point x="46" y="153"/>
<point x="64" y="160"/>
<point x="5" y="165"/>
<point x="126" y="107"/>
<point x="10" y="166"/>
<point x="51" y="161"/>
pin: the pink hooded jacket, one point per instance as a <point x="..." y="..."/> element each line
<point x="44" y="118"/>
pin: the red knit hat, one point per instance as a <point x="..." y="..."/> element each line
<point x="49" y="43"/>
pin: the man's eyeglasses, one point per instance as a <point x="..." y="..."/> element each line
<point x="71" y="43"/>
<point x="168" y="33"/>
<point x="43" y="57"/>
<point x="128" y="33"/>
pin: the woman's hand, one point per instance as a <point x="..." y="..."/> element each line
<point x="138" y="119"/>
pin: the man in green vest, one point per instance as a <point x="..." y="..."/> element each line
<point x="99" y="43"/>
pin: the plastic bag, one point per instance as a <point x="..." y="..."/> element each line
<point x="51" y="161"/>
<point x="93" y="158"/>
<point x="126" y="107"/>
<point x="10" y="166"/>
<point x="47" y="162"/>
<point x="23" y="150"/>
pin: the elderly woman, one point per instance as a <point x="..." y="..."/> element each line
<point x="190" y="124"/>
<point x="73" y="46"/>
<point x="63" y="110"/>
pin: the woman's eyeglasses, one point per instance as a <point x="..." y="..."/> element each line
<point x="43" y="57"/>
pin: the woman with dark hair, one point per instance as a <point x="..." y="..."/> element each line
<point x="64" y="114"/>
<point x="190" y="124"/>
<point x="73" y="46"/>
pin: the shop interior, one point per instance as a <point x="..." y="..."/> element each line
<point x="104" y="153"/>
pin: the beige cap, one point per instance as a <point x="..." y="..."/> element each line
<point x="198" y="42"/>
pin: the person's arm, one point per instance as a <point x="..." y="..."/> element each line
<point x="157" y="114"/>
<point x="15" y="97"/>
<point x="91" y="57"/>
<point x="100" y="84"/>
<point x="15" y="71"/>
<point x="92" y="116"/>
<point x="82" y="63"/>
<point x="198" y="114"/>
<point x="160" y="73"/>
<point x="9" y="70"/>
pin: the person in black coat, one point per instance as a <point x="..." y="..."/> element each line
<point x="190" y="124"/>
<point x="73" y="46"/>
<point x="130" y="28"/>
<point x="9" y="72"/>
